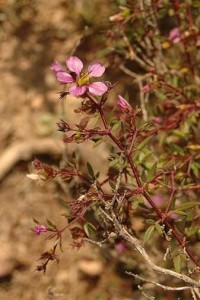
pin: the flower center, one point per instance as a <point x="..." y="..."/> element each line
<point x="83" y="79"/>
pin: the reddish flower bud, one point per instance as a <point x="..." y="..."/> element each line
<point x="39" y="229"/>
<point x="122" y="104"/>
<point x="157" y="120"/>
<point x="146" y="88"/>
<point x="175" y="35"/>
<point x="157" y="199"/>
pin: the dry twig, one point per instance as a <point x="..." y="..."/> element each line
<point x="25" y="151"/>
<point x="133" y="241"/>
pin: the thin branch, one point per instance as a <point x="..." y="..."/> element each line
<point x="133" y="74"/>
<point x="164" y="287"/>
<point x="142" y="102"/>
<point x="179" y="239"/>
<point x="99" y="244"/>
<point x="144" y="294"/>
<point x="136" y="244"/>
<point x="119" y="177"/>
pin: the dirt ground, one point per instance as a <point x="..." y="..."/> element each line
<point x="33" y="34"/>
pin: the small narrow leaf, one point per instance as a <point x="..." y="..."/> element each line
<point x="187" y="205"/>
<point x="144" y="142"/>
<point x="89" y="229"/>
<point x="50" y="224"/>
<point x="112" y="184"/>
<point x="177" y="263"/>
<point x="114" y="162"/>
<point x="195" y="168"/>
<point x="97" y="142"/>
<point x="116" y="126"/>
<point x="191" y="231"/>
<point x="90" y="170"/>
<point x="149" y="221"/>
<point x="83" y="123"/>
<point x="179" y="212"/>
<point x="152" y="172"/>
<point x="36" y="221"/>
<point x="148" y="234"/>
<point x="158" y="228"/>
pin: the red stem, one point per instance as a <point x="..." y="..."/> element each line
<point x="181" y="241"/>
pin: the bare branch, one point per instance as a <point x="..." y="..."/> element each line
<point x="164" y="287"/>
<point x="136" y="244"/>
<point x="99" y="244"/>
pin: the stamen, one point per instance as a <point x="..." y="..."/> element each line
<point x="83" y="79"/>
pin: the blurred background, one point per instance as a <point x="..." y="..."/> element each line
<point x="32" y="35"/>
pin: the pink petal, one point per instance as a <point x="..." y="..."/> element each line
<point x="146" y="88"/>
<point x="122" y="103"/>
<point x="64" y="77"/>
<point x="95" y="69"/>
<point x="40" y="228"/>
<point x="77" y="90"/>
<point x="97" y="88"/>
<point x="175" y="35"/>
<point x="176" y="40"/>
<point x="74" y="64"/>
<point x="57" y="67"/>
<point x="157" y="199"/>
<point x="173" y="216"/>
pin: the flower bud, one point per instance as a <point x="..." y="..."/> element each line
<point x="39" y="229"/>
<point x="122" y="104"/>
<point x="175" y="35"/>
<point x="146" y="88"/>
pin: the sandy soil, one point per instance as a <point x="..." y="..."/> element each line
<point x="33" y="34"/>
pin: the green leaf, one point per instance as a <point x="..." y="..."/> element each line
<point x="195" y="168"/>
<point x="187" y="205"/>
<point x="190" y="215"/>
<point x="177" y="263"/>
<point x="180" y="134"/>
<point x="144" y="142"/>
<point x="149" y="233"/>
<point x="50" y="224"/>
<point x="149" y="221"/>
<point x="106" y="51"/>
<point x="97" y="142"/>
<point x="136" y="200"/>
<point x="179" y="212"/>
<point x="159" y="228"/>
<point x="89" y="229"/>
<point x="144" y="155"/>
<point x="196" y="3"/>
<point x="152" y="172"/>
<point x="116" y="126"/>
<point x="178" y="150"/>
<point x="90" y="170"/>
<point x="191" y="231"/>
<point x="97" y="175"/>
<point x="112" y="184"/>
<point x="114" y="162"/>
<point x="36" y="221"/>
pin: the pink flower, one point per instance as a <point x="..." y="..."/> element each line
<point x="175" y="35"/>
<point x="146" y="88"/>
<point x="40" y="228"/>
<point x="57" y="67"/>
<point x="116" y="18"/>
<point x="81" y="81"/>
<point x="121" y="248"/>
<point x="157" y="120"/>
<point x="173" y="216"/>
<point x="123" y="104"/>
<point x="157" y="199"/>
